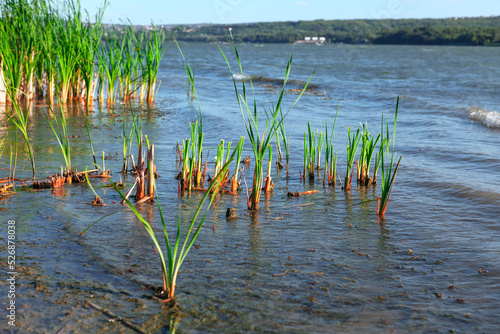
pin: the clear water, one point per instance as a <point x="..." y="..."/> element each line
<point x="328" y="266"/>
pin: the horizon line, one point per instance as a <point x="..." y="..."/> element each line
<point x="492" y="16"/>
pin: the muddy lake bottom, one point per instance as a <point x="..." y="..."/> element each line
<point x="238" y="280"/>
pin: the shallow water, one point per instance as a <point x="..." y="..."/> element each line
<point x="329" y="265"/>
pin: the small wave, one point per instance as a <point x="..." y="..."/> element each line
<point x="272" y="81"/>
<point x="488" y="118"/>
<point x="241" y="76"/>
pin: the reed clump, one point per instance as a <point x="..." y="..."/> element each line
<point x="260" y="139"/>
<point x="352" y="149"/>
<point x="177" y="252"/>
<point x="388" y="164"/>
<point x="331" y="157"/>
<point x="47" y="48"/>
<point x="368" y="147"/>
<point x="194" y="172"/>
<point x="145" y="173"/>
<point x="60" y="129"/>
<point x="20" y="119"/>
<point x="55" y="51"/>
<point x="313" y="147"/>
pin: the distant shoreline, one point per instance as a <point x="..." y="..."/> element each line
<point x="478" y="31"/>
<point x="354" y="44"/>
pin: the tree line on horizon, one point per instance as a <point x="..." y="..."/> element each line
<point x="451" y="31"/>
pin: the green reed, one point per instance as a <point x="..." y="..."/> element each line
<point x="260" y="143"/>
<point x="284" y="138"/>
<point x="127" y="140"/>
<point x="276" y="137"/>
<point x="190" y="174"/>
<point x="178" y="251"/>
<point x="310" y="141"/>
<point x="188" y="162"/>
<point x="330" y="158"/>
<point x="129" y="75"/>
<point x="191" y="90"/>
<point x="101" y="78"/>
<point x="390" y="169"/>
<point x="197" y="136"/>
<point x="12" y="165"/>
<point x="97" y="198"/>
<point x="110" y="56"/>
<point x="156" y="46"/>
<point x="332" y="167"/>
<point x="3" y="92"/>
<point x="68" y="34"/>
<point x="319" y="148"/>
<point x="54" y="47"/>
<point x="378" y="156"/>
<point x="61" y="134"/>
<point x="12" y="156"/>
<point x="90" y="141"/>
<point x="47" y="46"/>
<point x="222" y="157"/>
<point x="234" y="179"/>
<point x="137" y="83"/>
<point x="199" y="162"/>
<point x="313" y="145"/>
<point x="18" y="43"/>
<point x="49" y="63"/>
<point x="306" y="155"/>
<point x="368" y="145"/>
<point x="1" y="145"/>
<point x="186" y="149"/>
<point x="89" y="46"/>
<point x="103" y="166"/>
<point x="196" y="128"/>
<point x="20" y="119"/>
<point x="278" y="146"/>
<point x="352" y="149"/>
<point x="77" y="46"/>
<point x="219" y="158"/>
<point x="269" y="184"/>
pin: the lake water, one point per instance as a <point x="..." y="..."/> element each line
<point x="327" y="266"/>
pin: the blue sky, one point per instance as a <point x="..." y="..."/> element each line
<point x="243" y="11"/>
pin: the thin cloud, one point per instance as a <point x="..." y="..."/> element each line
<point x="300" y="3"/>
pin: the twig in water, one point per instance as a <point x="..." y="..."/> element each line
<point x="283" y="273"/>
<point x="293" y="206"/>
<point x="246" y="187"/>
<point x="115" y="317"/>
<point x="297" y="194"/>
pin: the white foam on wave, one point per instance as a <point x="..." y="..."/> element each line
<point x="241" y="76"/>
<point x="488" y="118"/>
